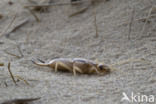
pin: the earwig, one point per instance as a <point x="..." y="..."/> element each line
<point x="20" y="101"/>
<point x="75" y="65"/>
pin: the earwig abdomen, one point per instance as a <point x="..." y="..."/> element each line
<point x="68" y="67"/>
<point x="86" y="68"/>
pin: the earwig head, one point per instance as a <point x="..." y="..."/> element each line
<point x="102" y="69"/>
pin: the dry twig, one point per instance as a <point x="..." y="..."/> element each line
<point x="27" y="37"/>
<point x="20" y="101"/>
<point x="5" y="30"/>
<point x="143" y="19"/>
<point x="37" y="9"/>
<point x="11" y="74"/>
<point x="148" y="16"/>
<point x="40" y="7"/>
<point x="1" y="16"/>
<point x="16" y="27"/>
<point x="33" y="2"/>
<point x="1" y="64"/>
<point x="54" y="4"/>
<point x="95" y="24"/>
<point x="20" y="78"/>
<point x="12" y="54"/>
<point x="79" y="11"/>
<point x="130" y="24"/>
<point x="6" y="85"/>
<point x="34" y="15"/>
<point x="20" y="51"/>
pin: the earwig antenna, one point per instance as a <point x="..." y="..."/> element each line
<point x="130" y="60"/>
<point x="33" y="61"/>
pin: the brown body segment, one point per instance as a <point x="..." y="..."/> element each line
<point x="84" y="66"/>
<point x="61" y="64"/>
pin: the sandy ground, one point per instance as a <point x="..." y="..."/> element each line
<point x="57" y="35"/>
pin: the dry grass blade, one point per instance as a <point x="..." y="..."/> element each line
<point x="95" y="24"/>
<point x="148" y="16"/>
<point x="79" y="12"/>
<point x="5" y="30"/>
<point x="20" y="101"/>
<point x="143" y="19"/>
<point x="1" y="16"/>
<point x="33" y="14"/>
<point x="12" y="54"/>
<point x="20" y="51"/>
<point x="54" y="4"/>
<point x="27" y="37"/>
<point x="11" y="73"/>
<point x="20" y="78"/>
<point x="6" y="85"/>
<point x="130" y="24"/>
<point x="33" y="2"/>
<point x="17" y="27"/>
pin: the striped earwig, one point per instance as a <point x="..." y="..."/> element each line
<point x="75" y="65"/>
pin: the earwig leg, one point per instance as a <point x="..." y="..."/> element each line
<point x="56" y="66"/>
<point x="97" y="61"/>
<point x="94" y="68"/>
<point x="76" y="69"/>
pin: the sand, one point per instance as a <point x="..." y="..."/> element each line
<point x="57" y="35"/>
